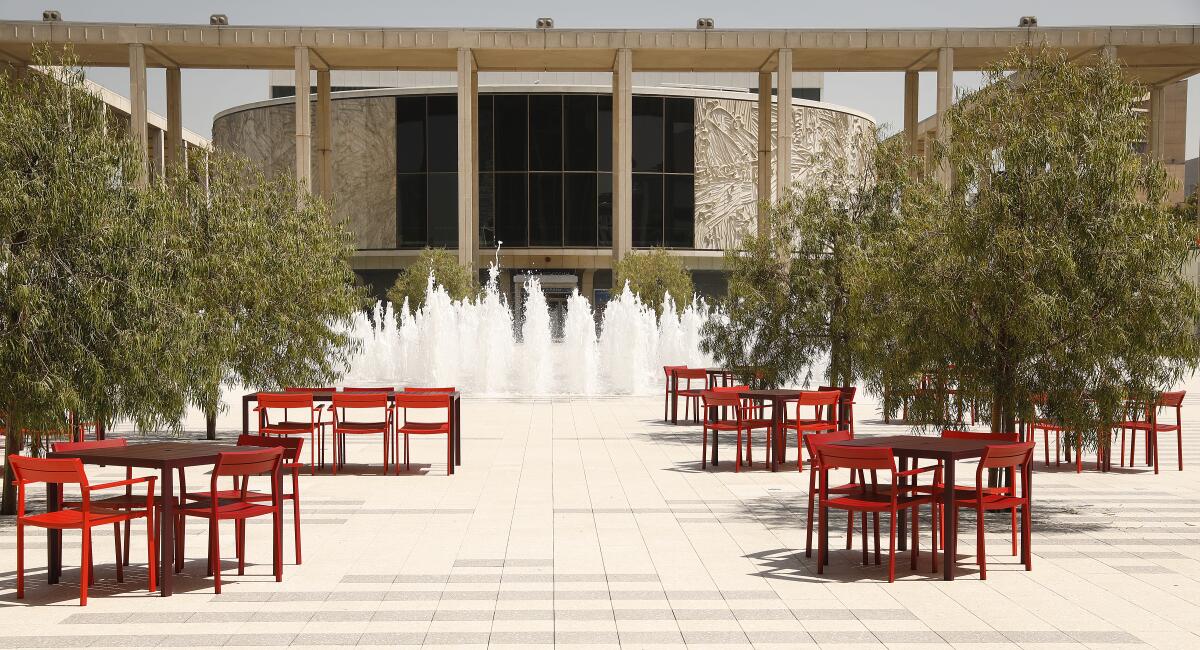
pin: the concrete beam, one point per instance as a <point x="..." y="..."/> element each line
<point x="138" y="112"/>
<point x="303" y="121"/>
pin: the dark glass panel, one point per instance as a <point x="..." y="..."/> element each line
<point x="680" y="210"/>
<point x="579" y="209"/>
<point x="545" y="209"/>
<point x="486" y="162"/>
<point x="443" y="210"/>
<point x="511" y="214"/>
<point x="647" y="134"/>
<point x="647" y="210"/>
<point x="604" y="143"/>
<point x="487" y="209"/>
<point x="411" y="211"/>
<point x="442" y="130"/>
<point x="545" y="132"/>
<point x="579" y="133"/>
<point x="511" y="124"/>
<point x="680" y="134"/>
<point x="410" y="134"/>
<point x="604" y="205"/>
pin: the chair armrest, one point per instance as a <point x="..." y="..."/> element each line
<point x="259" y="408"/>
<point x="292" y="466"/>
<point x="131" y="481"/>
<point x="919" y="470"/>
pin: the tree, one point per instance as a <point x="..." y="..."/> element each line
<point x="274" y="290"/>
<point x="652" y="275"/>
<point x="443" y="265"/>
<point x="790" y="301"/>
<point x="1051" y="267"/>
<point x="91" y="316"/>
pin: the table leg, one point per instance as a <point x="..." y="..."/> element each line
<point x="902" y="513"/>
<point x="776" y="436"/>
<point x="166" y="532"/>
<point x="245" y="414"/>
<point x="715" y="446"/>
<point x="53" y="537"/>
<point x="1027" y="517"/>
<point x="950" y="516"/>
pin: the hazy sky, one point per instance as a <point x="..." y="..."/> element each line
<point x="205" y="92"/>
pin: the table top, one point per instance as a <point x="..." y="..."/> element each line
<point x="923" y="446"/>
<point x="777" y="393"/>
<point x="154" y="454"/>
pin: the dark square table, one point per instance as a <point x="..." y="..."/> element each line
<point x="455" y="415"/>
<point x="713" y="376"/>
<point x="947" y="450"/>
<point x="167" y="458"/>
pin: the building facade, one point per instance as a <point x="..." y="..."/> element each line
<point x="544" y="181"/>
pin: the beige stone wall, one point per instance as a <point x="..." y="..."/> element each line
<point x="727" y="146"/>
<point x="364" y="158"/>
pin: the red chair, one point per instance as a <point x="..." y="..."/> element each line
<point x="845" y="412"/>
<point x="822" y="422"/>
<point x="981" y="498"/>
<point x="667" y="390"/>
<point x="241" y="505"/>
<point x="344" y="426"/>
<point x="85" y="517"/>
<point x="438" y="400"/>
<point x="285" y="427"/>
<point x="814" y="441"/>
<point x="1151" y="427"/>
<point x="1047" y="426"/>
<point x="291" y="448"/>
<point x="690" y="394"/>
<point x="322" y="423"/>
<point x="870" y="497"/>
<point x="727" y="398"/>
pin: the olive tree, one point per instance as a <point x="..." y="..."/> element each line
<point x="652" y="275"/>
<point x="412" y="282"/>
<point x="1051" y="269"/>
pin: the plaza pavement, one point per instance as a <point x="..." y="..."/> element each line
<point x="588" y="522"/>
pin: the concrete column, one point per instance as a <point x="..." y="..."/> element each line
<point x="622" y="159"/>
<point x="764" y="151"/>
<point x="303" y="121"/>
<point x="783" y="126"/>
<point x="1108" y="52"/>
<point x="587" y="283"/>
<point x="324" y="136"/>
<point x="157" y="153"/>
<point x="468" y="103"/>
<point x="1156" y="135"/>
<point x="137" y="110"/>
<point x="174" y="142"/>
<point x="945" y="97"/>
<point x="911" y="93"/>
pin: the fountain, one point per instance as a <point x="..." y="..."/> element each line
<point x="476" y="344"/>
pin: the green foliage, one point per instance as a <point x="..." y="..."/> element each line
<point x="271" y="281"/>
<point x="790" y="299"/>
<point x="91" y="318"/>
<point x="652" y="275"/>
<point x="1051" y="267"/>
<point x="413" y="282"/>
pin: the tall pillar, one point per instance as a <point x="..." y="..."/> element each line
<point x="622" y="159"/>
<point x="1108" y="52"/>
<point x="468" y="103"/>
<point x="137" y="110"/>
<point x="324" y="136"/>
<point x="783" y="126"/>
<point x="912" y="88"/>
<point x="174" y="135"/>
<point x="1156" y="136"/>
<point x="157" y="153"/>
<point x="303" y="121"/>
<point x="945" y="97"/>
<point x="475" y="166"/>
<point x="764" y="152"/>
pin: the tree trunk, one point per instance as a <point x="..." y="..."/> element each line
<point x="12" y="445"/>
<point x="210" y="424"/>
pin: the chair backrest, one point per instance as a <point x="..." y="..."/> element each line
<point x="423" y="401"/>
<point x="308" y="389"/>
<point x="1006" y="456"/>
<point x="691" y="373"/>
<point x="819" y="397"/>
<point x="865" y="458"/>
<point x="368" y="389"/>
<point x="360" y="400"/>
<point x="107" y="443"/>
<point x="667" y="370"/>
<point x="429" y="389"/>
<point x="1174" y="399"/>
<point x="713" y="398"/>
<point x="814" y="441"/>
<point x="247" y="463"/>
<point x="66" y="471"/>
<point x="987" y="437"/>
<point x="291" y="446"/>
<point x="295" y="400"/>
<point x="846" y="391"/>
<point x="730" y="389"/>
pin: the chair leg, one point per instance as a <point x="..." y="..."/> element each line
<point x="878" y="559"/>
<point x="737" y="460"/>
<point x="1014" y="532"/>
<point x="239" y="530"/>
<point x="850" y="530"/>
<point x="151" y="553"/>
<point x="84" y="566"/>
<point x="1132" y="447"/>
<point x="892" y="549"/>
<point x="296" y="519"/>
<point x="214" y="553"/>
<point x="935" y="521"/>
<point x="1179" y="449"/>
<point x="277" y="542"/>
<point x="916" y="519"/>
<point x="21" y="559"/>
<point x="117" y="547"/>
<point x="812" y="485"/>
<point x="980" y="551"/>
<point x="449" y="454"/>
<point x="849" y="535"/>
<point x="1155" y="434"/>
<point x="704" y="458"/>
<point x="822" y="552"/>
<point x="180" y="529"/>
